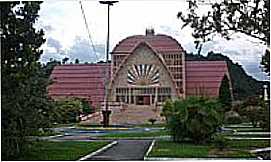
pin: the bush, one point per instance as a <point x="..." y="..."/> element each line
<point x="233" y="120"/>
<point x="195" y="118"/>
<point x="67" y="111"/>
<point x="232" y="117"/>
<point x="220" y="141"/>
<point x="256" y="111"/>
<point x="152" y="121"/>
<point x="225" y="96"/>
<point x="87" y="109"/>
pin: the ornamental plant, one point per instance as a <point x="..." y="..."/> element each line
<point x="195" y="118"/>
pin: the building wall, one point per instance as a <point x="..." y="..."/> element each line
<point x="142" y="55"/>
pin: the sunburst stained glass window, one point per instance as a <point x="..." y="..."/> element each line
<point x="143" y="74"/>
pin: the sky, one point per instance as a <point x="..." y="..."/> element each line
<point x="66" y="34"/>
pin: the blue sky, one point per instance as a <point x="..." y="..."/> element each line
<point x="66" y="32"/>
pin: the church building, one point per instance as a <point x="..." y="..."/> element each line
<point x="144" y="72"/>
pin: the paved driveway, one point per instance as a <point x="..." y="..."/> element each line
<point x="124" y="150"/>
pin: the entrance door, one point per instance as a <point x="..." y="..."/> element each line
<point x="139" y="100"/>
<point x="147" y="100"/>
<point x="143" y="100"/>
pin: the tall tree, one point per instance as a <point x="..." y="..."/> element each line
<point x="25" y="106"/>
<point x="230" y="16"/>
<point x="225" y="96"/>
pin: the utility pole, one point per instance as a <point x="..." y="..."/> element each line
<point x="106" y="112"/>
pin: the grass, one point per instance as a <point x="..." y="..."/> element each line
<point x="72" y="150"/>
<point x="249" y="135"/>
<point x="137" y="134"/>
<point x="176" y="150"/>
<point x="248" y="129"/>
<point x="235" y="149"/>
<point x="248" y="144"/>
<point x="45" y="133"/>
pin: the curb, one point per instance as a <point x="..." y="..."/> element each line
<point x="98" y="151"/>
<point x="131" y="138"/>
<point x="149" y="149"/>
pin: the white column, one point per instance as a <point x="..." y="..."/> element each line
<point x="156" y="95"/>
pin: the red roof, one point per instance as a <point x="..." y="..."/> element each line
<point x="159" y="42"/>
<point x="79" y="80"/>
<point x="204" y="77"/>
<point x="87" y="81"/>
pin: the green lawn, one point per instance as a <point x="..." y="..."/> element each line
<point x="248" y="144"/>
<point x="249" y="135"/>
<point x="137" y="134"/>
<point x="235" y="149"/>
<point x="171" y="149"/>
<point x="248" y="129"/>
<point x="71" y="150"/>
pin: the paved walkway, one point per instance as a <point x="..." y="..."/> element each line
<point x="124" y="150"/>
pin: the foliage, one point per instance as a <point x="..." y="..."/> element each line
<point x="257" y="111"/>
<point x="265" y="118"/>
<point x="232" y="117"/>
<point x="168" y="109"/>
<point x="251" y="18"/>
<point x="266" y="61"/>
<point x="86" y="108"/>
<point x="243" y="85"/>
<point x="195" y="118"/>
<point x="220" y="141"/>
<point x="152" y="121"/>
<point x="76" y="61"/>
<point x="44" y="132"/>
<point x="225" y="97"/>
<point x="25" y="104"/>
<point x="67" y="111"/>
<point x="49" y="66"/>
<point x="233" y="120"/>
<point x="65" y="60"/>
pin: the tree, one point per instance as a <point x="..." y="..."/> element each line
<point x="65" y="60"/>
<point x="76" y="61"/>
<point x="49" y="66"/>
<point x="251" y="18"/>
<point x="25" y="105"/>
<point x="68" y="110"/>
<point x="86" y="106"/>
<point x="196" y="118"/>
<point x="225" y="93"/>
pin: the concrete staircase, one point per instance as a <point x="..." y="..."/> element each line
<point x="132" y="114"/>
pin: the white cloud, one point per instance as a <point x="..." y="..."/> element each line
<point x="63" y="22"/>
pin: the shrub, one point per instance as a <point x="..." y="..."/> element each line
<point x="152" y="121"/>
<point x="233" y="120"/>
<point x="232" y="117"/>
<point x="87" y="109"/>
<point x="220" y="141"/>
<point x="195" y="118"/>
<point x="225" y="96"/>
<point x="257" y="111"/>
<point x="67" y="111"/>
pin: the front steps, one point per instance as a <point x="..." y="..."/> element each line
<point x="129" y="115"/>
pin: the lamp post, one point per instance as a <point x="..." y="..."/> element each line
<point x="106" y="112"/>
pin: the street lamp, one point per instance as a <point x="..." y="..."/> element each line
<point x="107" y="112"/>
